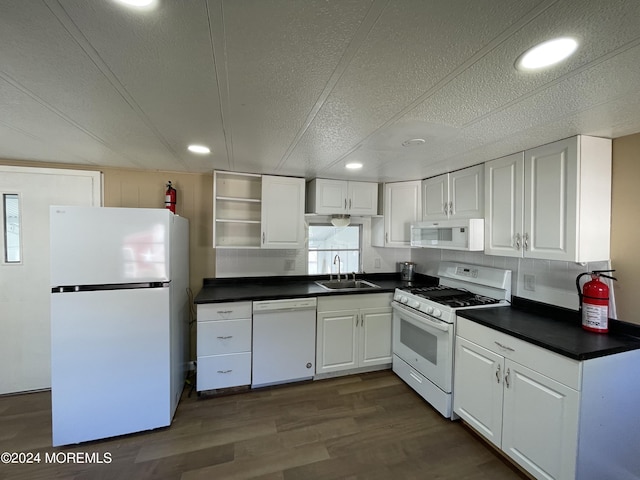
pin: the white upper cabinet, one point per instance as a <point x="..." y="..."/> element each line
<point x="327" y="197"/>
<point x="402" y="207"/>
<point x="552" y="202"/>
<point x="458" y="194"/>
<point x="282" y="212"/>
<point x="257" y="211"/>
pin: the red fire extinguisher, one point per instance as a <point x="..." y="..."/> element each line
<point x="594" y="301"/>
<point x="170" y="198"/>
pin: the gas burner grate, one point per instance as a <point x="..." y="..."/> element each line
<point x="452" y="297"/>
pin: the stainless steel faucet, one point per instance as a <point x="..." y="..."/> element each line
<point x="337" y="259"/>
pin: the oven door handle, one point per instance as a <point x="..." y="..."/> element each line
<point x="432" y="322"/>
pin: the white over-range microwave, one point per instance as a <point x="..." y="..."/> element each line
<point x="462" y="234"/>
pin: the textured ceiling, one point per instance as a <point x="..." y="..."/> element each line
<point x="298" y="87"/>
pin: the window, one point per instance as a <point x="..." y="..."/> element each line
<point x="327" y="241"/>
<point x="11" y="223"/>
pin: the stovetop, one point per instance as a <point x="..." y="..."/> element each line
<point x="451" y="297"/>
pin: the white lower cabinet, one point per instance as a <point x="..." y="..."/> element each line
<point x="556" y="417"/>
<point x="223" y="345"/>
<point x="353" y="331"/>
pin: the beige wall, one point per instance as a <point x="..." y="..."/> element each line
<point x="625" y="225"/>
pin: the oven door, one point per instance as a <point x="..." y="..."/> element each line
<point x="425" y="343"/>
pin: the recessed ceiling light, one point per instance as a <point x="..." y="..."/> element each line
<point x="413" y="142"/>
<point x="353" y="165"/>
<point x="201" y="149"/>
<point x="546" y="54"/>
<point x="138" y="3"/>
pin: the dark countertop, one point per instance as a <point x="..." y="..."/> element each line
<point x="215" y="290"/>
<point x="556" y="329"/>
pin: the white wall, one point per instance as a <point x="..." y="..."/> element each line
<point x="554" y="281"/>
<point x="257" y="262"/>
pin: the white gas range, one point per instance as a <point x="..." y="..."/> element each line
<point x="424" y="325"/>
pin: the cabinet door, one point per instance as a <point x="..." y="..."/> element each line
<point x="336" y="346"/>
<point x="478" y="388"/>
<point x="466" y="193"/>
<point x="282" y="212"/>
<point x="374" y="346"/>
<point x="504" y="180"/>
<point x="362" y="198"/>
<point x="402" y="207"/>
<point x="540" y="423"/>
<point x="550" y="203"/>
<point x="435" y="198"/>
<point x="331" y="196"/>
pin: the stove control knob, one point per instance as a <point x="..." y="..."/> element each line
<point x="414" y="304"/>
<point x="436" y="312"/>
<point x="403" y="299"/>
<point x="428" y="309"/>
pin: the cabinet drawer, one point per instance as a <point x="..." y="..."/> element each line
<point x="224" y="336"/>
<point x="223" y="311"/>
<point x="560" y="368"/>
<point x="222" y="371"/>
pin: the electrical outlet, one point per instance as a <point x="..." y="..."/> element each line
<point x="289" y="265"/>
<point x="530" y="283"/>
<point x="376" y="263"/>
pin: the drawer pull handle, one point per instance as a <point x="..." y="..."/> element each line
<point x="225" y="371"/>
<point x="504" y="346"/>
<point x="498" y="374"/>
<point x="222" y="312"/>
<point x="226" y="337"/>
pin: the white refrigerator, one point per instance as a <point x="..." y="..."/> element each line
<point x="119" y="320"/>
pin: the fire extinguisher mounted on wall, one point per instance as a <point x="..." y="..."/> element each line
<point x="594" y="301"/>
<point x="170" y="198"/>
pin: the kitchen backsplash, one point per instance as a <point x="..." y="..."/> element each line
<point x="257" y="262"/>
<point x="545" y="281"/>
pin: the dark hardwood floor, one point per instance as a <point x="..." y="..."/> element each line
<point x="369" y="426"/>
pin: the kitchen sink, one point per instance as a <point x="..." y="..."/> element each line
<point x="342" y="285"/>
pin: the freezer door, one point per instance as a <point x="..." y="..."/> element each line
<point x="110" y="363"/>
<point x="97" y="245"/>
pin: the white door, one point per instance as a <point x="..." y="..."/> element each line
<point x="282" y="212"/>
<point x="477" y="396"/>
<point x="331" y="196"/>
<point x="504" y="180"/>
<point x="363" y="198"/>
<point x="466" y="193"/>
<point x="402" y="208"/>
<point x="550" y="195"/>
<point x="337" y="345"/>
<point x="25" y="340"/>
<point x="435" y="198"/>
<point x="540" y="423"/>
<point x="375" y="336"/>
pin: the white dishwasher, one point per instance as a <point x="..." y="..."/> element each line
<point x="284" y="341"/>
